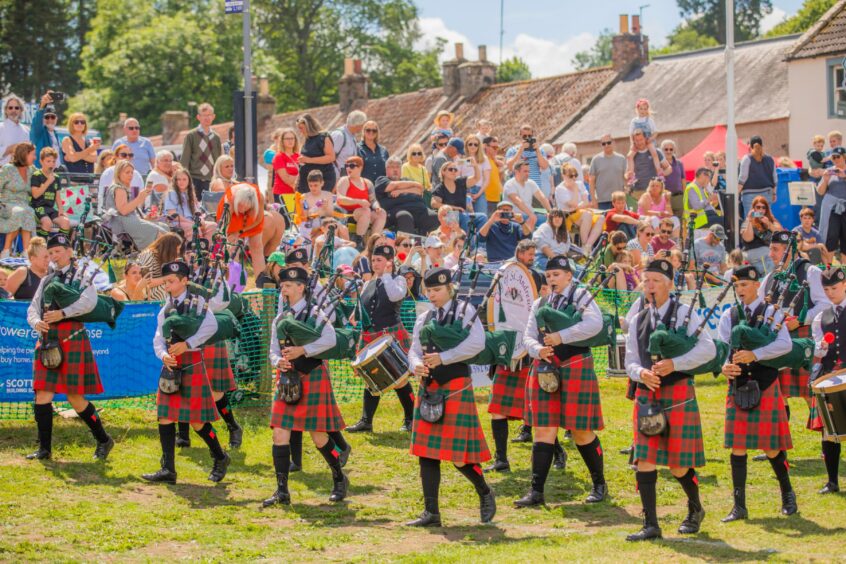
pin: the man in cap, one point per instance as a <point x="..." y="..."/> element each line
<point x="503" y="231"/>
<point x="710" y="251"/>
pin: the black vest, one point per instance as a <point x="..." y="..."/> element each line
<point x="837" y="326"/>
<point x="382" y="311"/>
<point x="445" y="372"/>
<point x="782" y="293"/>
<point x="304" y="364"/>
<point x="564" y="351"/>
<point x="643" y="329"/>
<point x="764" y="375"/>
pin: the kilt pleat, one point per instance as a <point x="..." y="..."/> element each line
<point x="794" y="383"/>
<point x="508" y="392"/>
<point x="218" y="367"/>
<point x="763" y="428"/>
<point x="317" y="409"/>
<point x="815" y="422"/>
<point x="575" y="405"/>
<point x="681" y="446"/>
<point x="458" y="436"/>
<point x="78" y="372"/>
<point x="193" y="403"/>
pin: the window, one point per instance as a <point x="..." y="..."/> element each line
<point x="836" y="71"/>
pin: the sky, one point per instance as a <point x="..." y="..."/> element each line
<point x="547" y="33"/>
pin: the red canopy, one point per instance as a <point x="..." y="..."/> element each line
<point x="714" y="141"/>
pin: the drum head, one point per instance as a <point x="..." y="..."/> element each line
<point x="832" y="382"/>
<point x="373" y="349"/>
<point x="514" y="298"/>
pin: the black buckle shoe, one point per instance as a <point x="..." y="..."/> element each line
<point x="339" y="492"/>
<point x="499" y="466"/>
<point x="363" y="426"/>
<point x="40" y="454"/>
<point x="559" y="460"/>
<point x="426" y="519"/>
<point x="219" y="468"/>
<point x="236" y="436"/>
<point x="406" y="426"/>
<point x="648" y="532"/>
<point x="627" y="450"/>
<point x="487" y="506"/>
<point x="828" y="488"/>
<point x="568" y="435"/>
<point x="103" y="449"/>
<point x="525" y="435"/>
<point x="759" y="457"/>
<point x="294" y="467"/>
<point x="788" y="503"/>
<point x="183" y="442"/>
<point x="163" y="476"/>
<point x="344" y="455"/>
<point x="737" y="513"/>
<point x="695" y="516"/>
<point x="597" y="493"/>
<point x="531" y="499"/>
<point x="281" y="496"/>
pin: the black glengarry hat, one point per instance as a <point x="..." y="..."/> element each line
<point x="833" y="275"/>
<point x="661" y="266"/>
<point x="178" y="267"/>
<point x="297" y="255"/>
<point x="294" y="274"/>
<point x="437" y="276"/>
<point x="559" y="262"/>
<point x="746" y="272"/>
<point x="386" y="251"/>
<point x="58" y="240"/>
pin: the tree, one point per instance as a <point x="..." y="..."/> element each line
<point x="708" y="17"/>
<point x="685" y="38"/>
<point x="597" y="56"/>
<point x="513" y="69"/>
<point x="809" y="14"/>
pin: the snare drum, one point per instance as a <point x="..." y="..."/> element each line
<point x="383" y="365"/>
<point x="617" y="358"/>
<point x="830" y="393"/>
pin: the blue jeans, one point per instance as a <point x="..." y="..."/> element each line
<point x="747" y="197"/>
<point x="604" y="206"/>
<point x="481" y="204"/>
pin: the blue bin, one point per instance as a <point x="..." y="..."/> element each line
<point x="786" y="214"/>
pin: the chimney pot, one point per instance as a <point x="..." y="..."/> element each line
<point x="483" y="53"/>
<point x="357" y="66"/>
<point x="636" y="24"/>
<point x="264" y="86"/>
<point x="348" y="66"/>
<point x="459" y="51"/>
<point x="624" y="23"/>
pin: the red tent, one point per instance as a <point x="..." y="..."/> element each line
<point x="714" y="141"/>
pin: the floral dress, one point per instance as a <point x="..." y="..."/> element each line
<point x="15" y="193"/>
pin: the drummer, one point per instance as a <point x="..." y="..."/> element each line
<point x="381" y="298"/>
<point x="575" y="405"/>
<point x="665" y="381"/>
<point x="764" y="426"/>
<point x="830" y="325"/>
<point x="316" y="411"/>
<point x="457" y="436"/>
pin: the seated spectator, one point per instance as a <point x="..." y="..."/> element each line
<point x="493" y="190"/>
<point x="24" y="281"/>
<point x="617" y="242"/>
<point x="640" y="246"/>
<point x="403" y="200"/>
<point x="442" y="152"/>
<point x="572" y="197"/>
<point x="431" y="254"/>
<point x="356" y="196"/>
<point x="46" y="198"/>
<point x="656" y="204"/>
<point x="701" y="203"/>
<point x="503" y="230"/>
<point x="551" y="238"/>
<point x="270" y="277"/>
<point x="160" y="178"/>
<point x="448" y="228"/>
<point x="756" y="233"/>
<point x="685" y="280"/>
<point x="735" y="261"/>
<point x="832" y="187"/>
<point x="133" y="287"/>
<point x="319" y="237"/>
<point x="373" y="154"/>
<point x="105" y="159"/>
<point x="663" y="240"/>
<point x="404" y="243"/>
<point x="107" y="179"/>
<point x="627" y="277"/>
<point x="317" y="205"/>
<point x="414" y="170"/>
<point x="122" y="208"/>
<point x="163" y="250"/>
<point x="452" y="191"/>
<point x="618" y="218"/>
<point x="4" y="279"/>
<point x="710" y="251"/>
<point x="454" y="250"/>
<point x="17" y="216"/>
<point x="550" y="177"/>
<point x="520" y="190"/>
<point x="180" y="203"/>
<point x="809" y="239"/>
<point x="223" y="175"/>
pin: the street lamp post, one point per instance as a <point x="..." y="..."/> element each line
<point x="249" y="148"/>
<point x="731" y="133"/>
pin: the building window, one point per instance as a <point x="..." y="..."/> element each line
<point x="836" y="71"/>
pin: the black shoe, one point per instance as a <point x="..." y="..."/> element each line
<point x="219" y="469"/>
<point x="648" y="532"/>
<point x="559" y="460"/>
<point x="597" y="493"/>
<point x="163" y="476"/>
<point x="499" y="466"/>
<point x="826" y="489"/>
<point x="339" y="492"/>
<point x="344" y="455"/>
<point x="183" y="442"/>
<point x="525" y="435"/>
<point x="788" y="503"/>
<point x="236" y="436"/>
<point x="406" y="426"/>
<point x="40" y="454"/>
<point x="279" y="497"/>
<point x="531" y="499"/>
<point x="568" y="435"/>
<point x="294" y="467"/>
<point x="627" y="450"/>
<point x="487" y="506"/>
<point x="737" y="513"/>
<point x="363" y="426"/>
<point x="103" y="449"/>
<point x="695" y="516"/>
<point x="759" y="457"/>
<point x="426" y="519"/>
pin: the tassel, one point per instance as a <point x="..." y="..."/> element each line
<point x="112" y="276"/>
<point x="702" y="303"/>
<point x="794" y="286"/>
<point x="804" y="311"/>
<point x="501" y="318"/>
<point x="243" y="279"/>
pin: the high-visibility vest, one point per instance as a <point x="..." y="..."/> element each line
<point x="701" y="219"/>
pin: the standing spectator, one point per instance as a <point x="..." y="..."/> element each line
<point x="317" y="153"/>
<point x="11" y="130"/>
<point x="144" y="154"/>
<point x="521" y="190"/>
<point x="809" y="239"/>
<point x="201" y="149"/>
<point x="373" y="154"/>
<point x="757" y="232"/>
<point x="550" y="177"/>
<point x="527" y="151"/>
<point x="163" y="250"/>
<point x="357" y="197"/>
<point x="607" y="174"/>
<point x="551" y="238"/>
<point x="105" y="159"/>
<point x="439" y="156"/>
<point x="124" y="206"/>
<point x="700" y="202"/>
<point x="484" y="128"/>
<point x="503" y="231"/>
<point x="402" y="200"/>
<point x="229" y="144"/>
<point x="674" y="179"/>
<point x="452" y="191"/>
<point x="16" y="215"/>
<point x="223" y="176"/>
<point x="269" y="153"/>
<point x="656" y="204"/>
<point x="46" y="200"/>
<point x="642" y="168"/>
<point x="757" y="175"/>
<point x="710" y="251"/>
<point x="78" y="152"/>
<point x="618" y="218"/>
<point x="181" y="201"/>
<point x="286" y="170"/>
<point x="832" y="188"/>
<point x="473" y="148"/>
<point x="571" y="197"/>
<point x="42" y="132"/>
<point x="159" y="179"/>
<point x="414" y="170"/>
<point x="835" y="140"/>
<point x="640" y="246"/>
<point x="344" y="139"/>
<point x="493" y="189"/>
<point x="122" y="153"/>
<point x="663" y="240"/>
<point x="568" y="156"/>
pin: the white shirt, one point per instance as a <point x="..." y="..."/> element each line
<point x="206" y="330"/>
<point x="814" y="277"/>
<point x="107" y="179"/>
<point x="85" y="304"/>
<point x="817" y="332"/>
<point x="395" y="286"/>
<point x="590" y="325"/>
<point x="565" y="200"/>
<point x="11" y="133"/>
<point x="323" y="343"/>
<point x="468" y="348"/>
<point x="544" y="237"/>
<point x="702" y="352"/>
<point x="781" y="346"/>
<point x="525" y="191"/>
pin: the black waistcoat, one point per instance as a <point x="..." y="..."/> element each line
<point x="445" y="372"/>
<point x="382" y="311"/>
<point x="783" y="294"/>
<point x="764" y="375"/>
<point x="304" y="364"/>
<point x="644" y="328"/>
<point x="836" y="325"/>
<point x="564" y="351"/>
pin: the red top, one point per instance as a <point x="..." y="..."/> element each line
<point x="657" y="245"/>
<point x="611" y="225"/>
<point x="289" y="163"/>
<point x="357" y="193"/>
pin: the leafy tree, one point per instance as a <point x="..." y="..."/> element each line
<point x="809" y="14"/>
<point x="597" y="56"/>
<point x="685" y="38"/>
<point x="708" y="17"/>
<point x="512" y="70"/>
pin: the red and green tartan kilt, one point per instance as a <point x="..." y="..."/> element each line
<point x="794" y="383"/>
<point x="193" y="403"/>
<point x="763" y="428"/>
<point x="78" y="373"/>
<point x="508" y="392"/>
<point x="458" y="436"/>
<point x="815" y="422"/>
<point x="317" y="409"/>
<point x="575" y="405"/>
<point x="681" y="446"/>
<point x="218" y="367"/>
<point x="398" y="331"/>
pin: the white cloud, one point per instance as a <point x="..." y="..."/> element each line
<point x="772" y="19"/>
<point x="544" y="57"/>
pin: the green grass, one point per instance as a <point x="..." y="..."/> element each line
<point x="72" y="509"/>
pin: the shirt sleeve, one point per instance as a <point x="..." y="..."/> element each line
<point x="275" y="352"/>
<point x="817" y="293"/>
<point x="817" y="335"/>
<point x="781" y="346"/>
<point x="395" y="286"/>
<point x="85" y="304"/>
<point x="744" y="170"/>
<point x="469" y="347"/>
<point x="415" y="352"/>
<point x="159" y="343"/>
<point x="632" y="361"/>
<point x="531" y="334"/>
<point x="34" y="311"/>
<point x="704" y="349"/>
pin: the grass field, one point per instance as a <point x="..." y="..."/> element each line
<point x="72" y="508"/>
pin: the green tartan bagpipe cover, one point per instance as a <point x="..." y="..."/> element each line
<point x="499" y="347"/>
<point x="556" y="320"/>
<point x="61" y="295"/>
<point x="303" y="333"/>
<point x="444" y="337"/>
<point x="747" y="337"/>
<point x="186" y="325"/>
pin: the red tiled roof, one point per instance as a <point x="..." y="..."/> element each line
<point x="826" y="37"/>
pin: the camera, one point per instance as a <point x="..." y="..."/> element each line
<point x="531" y="141"/>
<point x="57" y="96"/>
<point x="506" y="215"/>
<point x="757" y="214"/>
<point x="715" y="163"/>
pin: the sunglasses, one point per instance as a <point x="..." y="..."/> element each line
<point x="371" y="131"/>
<point x="452" y="169"/>
<point x="79" y="122"/>
<point x="669" y="150"/>
<point x="441" y="145"/>
<point x="416" y="154"/>
<point x="50" y="117"/>
<point x="351" y="165"/>
<point x="606" y="143"/>
<point x="649" y="233"/>
<point x="472" y="144"/>
<point x="13" y="108"/>
<point x="126" y="155"/>
<point x="666" y="232"/>
<point x="133" y="127"/>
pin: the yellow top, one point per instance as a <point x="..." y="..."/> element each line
<point x="493" y="191"/>
<point x="417" y="174"/>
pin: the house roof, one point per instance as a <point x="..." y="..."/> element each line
<point x="826" y="37"/>
<point x="687" y="91"/>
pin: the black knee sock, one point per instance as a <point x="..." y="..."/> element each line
<point x="648" y="498"/>
<point x="594" y="460"/>
<point x="541" y="463"/>
<point x="430" y="476"/>
<point x="787" y="409"/>
<point x="558" y="449"/>
<point x="226" y="412"/>
<point x="406" y="398"/>
<point x="92" y="419"/>
<point x="473" y="472"/>
<point x="831" y="454"/>
<point x="499" y="428"/>
<point x="44" y="421"/>
<point x="371" y="404"/>
<point x="782" y="471"/>
<point x="167" y="438"/>
<point x="281" y="462"/>
<point x="209" y="435"/>
<point x="690" y="484"/>
<point x="183" y="431"/>
<point x="738" y="478"/>
<point x="330" y="455"/>
<point x="297" y="448"/>
<point x="340" y="442"/>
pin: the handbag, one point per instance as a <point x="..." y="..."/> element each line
<point x="431" y="406"/>
<point x="290" y="387"/>
<point x="651" y="419"/>
<point x="549" y="377"/>
<point x="747" y="396"/>
<point x="50" y="354"/>
<point x="170" y="380"/>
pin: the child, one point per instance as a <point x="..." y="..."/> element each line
<point x="619" y="218"/>
<point x="643" y="121"/>
<point x="631" y="280"/>
<point x="46" y="199"/>
<point x="318" y="205"/>
<point x="817" y="159"/>
<point x="810" y="239"/>
<point x="735" y="260"/>
<point x="443" y="125"/>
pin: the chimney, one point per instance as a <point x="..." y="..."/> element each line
<point x="116" y="127"/>
<point x="352" y="88"/>
<point x="173" y="122"/>
<point x="265" y="103"/>
<point x="474" y="76"/>
<point x="629" y="50"/>
<point x="450" y="71"/>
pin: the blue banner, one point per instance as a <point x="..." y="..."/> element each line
<point x="128" y="366"/>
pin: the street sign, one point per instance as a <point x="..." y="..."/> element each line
<point x="234" y="6"/>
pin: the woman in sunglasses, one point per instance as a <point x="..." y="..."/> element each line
<point x="756" y="233"/>
<point x="452" y="191"/>
<point x="357" y="197"/>
<point x="372" y="153"/>
<point x="476" y="155"/>
<point x="11" y="130"/>
<point x="78" y="152"/>
<point x="656" y="204"/>
<point x="316" y="153"/>
<point x="414" y="169"/>
<point x="107" y="178"/>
